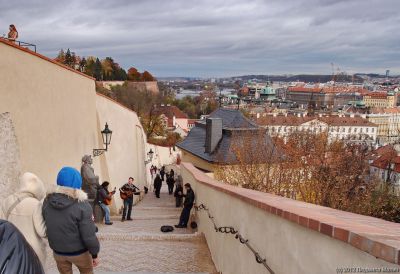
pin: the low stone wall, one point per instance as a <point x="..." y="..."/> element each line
<point x="9" y="156"/>
<point x="293" y="237"/>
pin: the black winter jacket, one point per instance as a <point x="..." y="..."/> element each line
<point x="70" y="227"/>
<point x="189" y="198"/>
<point x="16" y="255"/>
<point x="157" y="183"/>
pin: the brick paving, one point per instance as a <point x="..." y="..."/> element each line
<point x="139" y="246"/>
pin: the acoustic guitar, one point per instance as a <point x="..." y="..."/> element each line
<point x="128" y="194"/>
<point x="109" y="201"/>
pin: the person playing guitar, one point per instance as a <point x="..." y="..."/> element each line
<point x="105" y="198"/>
<point x="126" y="193"/>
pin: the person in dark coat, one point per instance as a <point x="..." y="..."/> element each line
<point x="157" y="185"/>
<point x="16" y="255"/>
<point x="187" y="206"/>
<point x="70" y="228"/>
<point x="162" y="173"/>
<point x="178" y="191"/>
<point x="104" y="195"/>
<point x="170" y="183"/>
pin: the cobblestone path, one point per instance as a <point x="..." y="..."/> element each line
<point x="139" y="246"/>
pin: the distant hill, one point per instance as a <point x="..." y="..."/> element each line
<point x="309" y="78"/>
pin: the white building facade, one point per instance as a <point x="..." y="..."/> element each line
<point x="349" y="129"/>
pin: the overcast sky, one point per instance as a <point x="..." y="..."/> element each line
<point x="215" y="37"/>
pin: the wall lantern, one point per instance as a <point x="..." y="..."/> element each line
<point x="106" y="134"/>
<point x="150" y="156"/>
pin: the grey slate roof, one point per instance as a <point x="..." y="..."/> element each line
<point x="232" y="119"/>
<point x="233" y="122"/>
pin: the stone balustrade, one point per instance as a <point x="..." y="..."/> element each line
<point x="293" y="236"/>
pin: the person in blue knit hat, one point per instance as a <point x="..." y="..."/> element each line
<point x="70" y="228"/>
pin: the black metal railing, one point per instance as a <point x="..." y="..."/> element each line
<point x="21" y="43"/>
<point x="233" y="231"/>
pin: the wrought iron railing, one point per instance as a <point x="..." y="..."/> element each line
<point x="21" y="43"/>
<point x="233" y="231"/>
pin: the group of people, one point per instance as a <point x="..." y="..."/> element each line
<point x="179" y="195"/>
<point x="169" y="178"/>
<point x="65" y="217"/>
<point x="104" y="197"/>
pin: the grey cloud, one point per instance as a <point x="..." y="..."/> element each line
<point x="216" y="38"/>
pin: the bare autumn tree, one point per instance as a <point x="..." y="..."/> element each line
<point x="153" y="124"/>
<point x="307" y="167"/>
<point x="253" y="157"/>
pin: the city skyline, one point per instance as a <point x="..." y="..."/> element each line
<point x="217" y="38"/>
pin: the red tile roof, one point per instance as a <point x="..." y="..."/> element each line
<point x="305" y="89"/>
<point x="376" y="95"/>
<point x="169" y="112"/>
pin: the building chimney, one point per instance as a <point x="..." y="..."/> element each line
<point x="258" y="115"/>
<point x="352" y="115"/>
<point x="213" y="133"/>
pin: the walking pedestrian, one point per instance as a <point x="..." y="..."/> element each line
<point x="24" y="210"/>
<point x="162" y="173"/>
<point x="70" y="227"/>
<point x="104" y="199"/>
<point x="157" y="185"/>
<point x="127" y="192"/>
<point x="187" y="206"/>
<point x="178" y="191"/>
<point x="152" y="171"/>
<point x="170" y="183"/>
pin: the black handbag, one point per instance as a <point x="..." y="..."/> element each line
<point x="167" y="228"/>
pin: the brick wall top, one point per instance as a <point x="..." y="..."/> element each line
<point x="6" y="42"/>
<point x="375" y="236"/>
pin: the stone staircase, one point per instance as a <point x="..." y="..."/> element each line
<point x="139" y="246"/>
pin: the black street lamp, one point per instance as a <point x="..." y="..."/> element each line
<point x="150" y="155"/>
<point x="106" y="134"/>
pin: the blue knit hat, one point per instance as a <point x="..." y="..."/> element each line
<point x="69" y="177"/>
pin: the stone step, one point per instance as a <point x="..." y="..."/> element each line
<point x="149" y="256"/>
<point x="149" y="237"/>
<point x="145" y="225"/>
<point x="146" y="217"/>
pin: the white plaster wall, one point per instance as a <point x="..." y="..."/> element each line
<point x="125" y="155"/>
<point x="287" y="247"/>
<point x="53" y="110"/>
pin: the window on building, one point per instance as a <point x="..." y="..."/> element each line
<point x="366" y="130"/>
<point x="349" y="131"/>
<point x="355" y="129"/>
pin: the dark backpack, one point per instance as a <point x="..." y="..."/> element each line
<point x="167" y="228"/>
